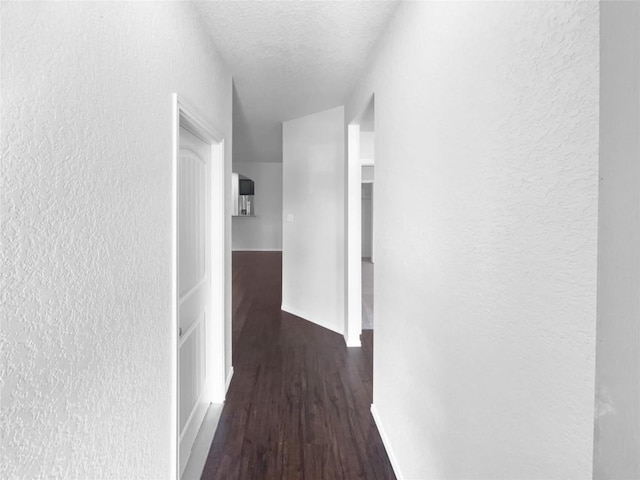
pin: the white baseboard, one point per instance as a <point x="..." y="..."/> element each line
<point x="385" y="442"/>
<point x="304" y="316"/>
<point x="256" y="249"/>
<point x="202" y="443"/>
<point x="228" y="382"/>
<point x="354" y="341"/>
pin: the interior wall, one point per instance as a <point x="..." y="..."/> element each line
<point x="313" y="229"/>
<point x="617" y="423"/>
<point x="264" y="231"/>
<point x="485" y="296"/>
<point x="366" y="216"/>
<point x="367" y="146"/>
<point x="367" y="173"/>
<point x="86" y="257"/>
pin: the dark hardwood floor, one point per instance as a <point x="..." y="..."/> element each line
<point x="298" y="404"/>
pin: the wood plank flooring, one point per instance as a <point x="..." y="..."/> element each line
<point x="298" y="404"/>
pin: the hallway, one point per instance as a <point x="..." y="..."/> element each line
<point x="507" y="217"/>
<point x="298" y="404"/>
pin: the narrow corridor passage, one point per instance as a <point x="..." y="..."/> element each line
<point x="298" y="405"/>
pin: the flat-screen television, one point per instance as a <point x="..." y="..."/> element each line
<point x="246" y="186"/>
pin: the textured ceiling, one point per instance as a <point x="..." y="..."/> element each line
<point x="289" y="59"/>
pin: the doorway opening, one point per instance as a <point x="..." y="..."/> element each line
<point x="198" y="331"/>
<point x="360" y="224"/>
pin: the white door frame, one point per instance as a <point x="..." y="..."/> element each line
<point x="353" y="327"/>
<point x="186" y="116"/>
<point x="353" y="194"/>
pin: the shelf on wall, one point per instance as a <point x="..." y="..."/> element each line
<point x="243" y="215"/>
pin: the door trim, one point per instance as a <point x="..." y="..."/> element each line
<point x="353" y="229"/>
<point x="185" y="115"/>
<point x="353" y="327"/>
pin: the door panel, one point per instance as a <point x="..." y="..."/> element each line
<point x="191" y="308"/>
<point x="192" y="369"/>
<point x="194" y="287"/>
<point x="191" y="212"/>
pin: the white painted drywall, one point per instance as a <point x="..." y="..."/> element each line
<point x="485" y="292"/>
<point x="86" y="235"/>
<point x="313" y="227"/>
<point x="617" y="429"/>
<point x="366" y="217"/>
<point x="367" y="147"/>
<point x="367" y="173"/>
<point x="264" y="231"/>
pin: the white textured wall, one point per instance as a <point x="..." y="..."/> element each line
<point x="367" y="173"/>
<point x="86" y="234"/>
<point x="617" y="432"/>
<point x="366" y="219"/>
<point x="313" y="238"/>
<point x="485" y="296"/>
<point x="367" y="147"/>
<point x="263" y="232"/>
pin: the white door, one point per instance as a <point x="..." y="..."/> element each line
<point x="194" y="288"/>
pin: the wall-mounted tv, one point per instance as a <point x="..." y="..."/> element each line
<point x="246" y="186"/>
